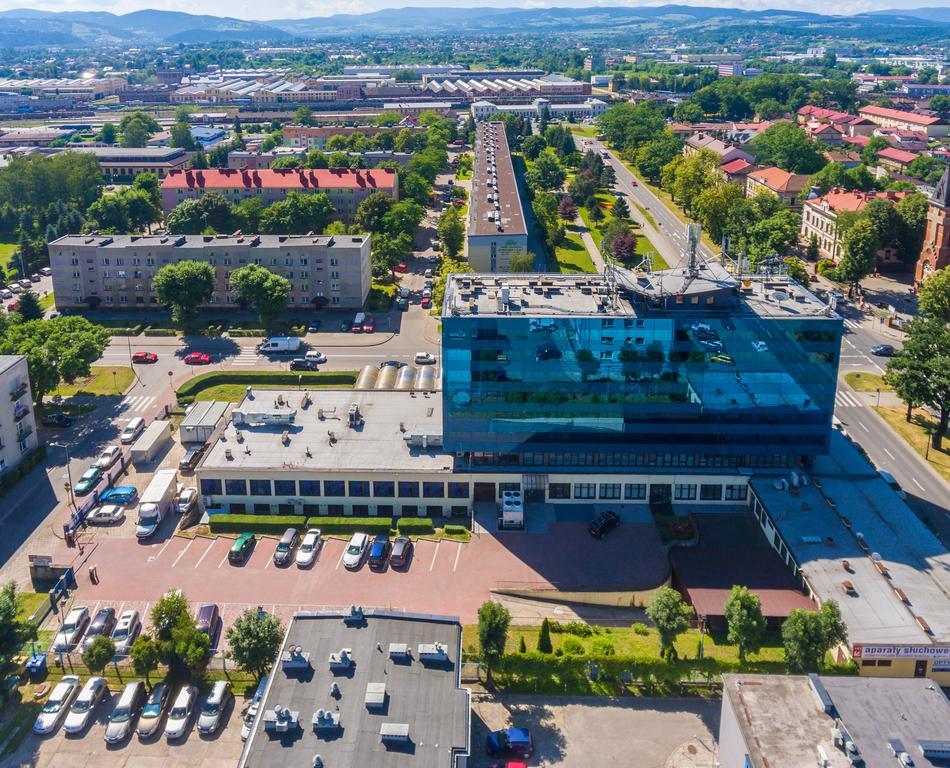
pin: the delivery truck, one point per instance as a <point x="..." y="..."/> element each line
<point x="279" y="345"/>
<point x="156" y="502"/>
<point x="152" y="441"/>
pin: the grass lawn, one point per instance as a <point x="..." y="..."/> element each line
<point x="234" y="393"/>
<point x="6" y="253"/>
<point x="572" y="256"/>
<point x="47" y="301"/>
<point x="27" y="603"/>
<point x="866" y="382"/>
<point x="231" y="386"/>
<point x="381" y="296"/>
<point x="644" y="246"/>
<point x="590" y="131"/>
<point x="915" y="434"/>
<point x="101" y="382"/>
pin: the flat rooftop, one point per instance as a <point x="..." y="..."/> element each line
<point x="783" y="720"/>
<point x="120" y="242"/>
<point x="493" y="175"/>
<point x="379" y="443"/>
<point x="424" y="696"/>
<point x="898" y="551"/>
<point x="555" y="294"/>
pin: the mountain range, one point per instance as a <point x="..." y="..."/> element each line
<point x="28" y="27"/>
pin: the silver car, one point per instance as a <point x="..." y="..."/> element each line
<point x="85" y="704"/>
<point x="179" y="716"/>
<point x="213" y="707"/>
<point x="126" y="632"/>
<point x="70" y="633"/>
<point x="122" y="719"/>
<point x="56" y="705"/>
<point x="154" y="710"/>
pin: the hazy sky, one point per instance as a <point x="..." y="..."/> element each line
<point x="255" y="9"/>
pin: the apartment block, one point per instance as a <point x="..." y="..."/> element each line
<point x="17" y="422"/>
<point x="317" y="136"/>
<point x="116" y="271"/>
<point x="345" y="187"/>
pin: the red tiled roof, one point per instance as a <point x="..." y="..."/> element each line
<point x="898" y="155"/>
<point x="897" y="114"/>
<point x="859" y="140"/>
<point x="281" y="178"/>
<point x="839" y="200"/>
<point x="736" y="166"/>
<point x="780" y="181"/>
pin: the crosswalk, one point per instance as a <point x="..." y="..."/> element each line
<point x="847" y="400"/>
<point x="138" y="403"/>
<point x="247" y="357"/>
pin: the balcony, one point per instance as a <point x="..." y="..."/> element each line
<point x="17" y="392"/>
<point x="21" y="413"/>
<point x="24" y="432"/>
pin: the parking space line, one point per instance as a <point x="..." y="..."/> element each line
<point x="182" y="553"/>
<point x="223" y="560"/>
<point x="170" y="540"/>
<point x="205" y="553"/>
<point x="458" y="552"/>
<point x="343" y="552"/>
<point x="434" y="555"/>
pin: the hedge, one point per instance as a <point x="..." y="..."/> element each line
<point x="415" y="526"/>
<point x="192" y="387"/>
<point x="264" y="524"/>
<point x="132" y="330"/>
<point x="455" y="530"/>
<point x="348" y="525"/>
<point x="153" y="331"/>
<point x="21" y="470"/>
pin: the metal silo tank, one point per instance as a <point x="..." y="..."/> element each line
<point x="406" y="378"/>
<point x="425" y="379"/>
<point x="367" y="377"/>
<point x="387" y="377"/>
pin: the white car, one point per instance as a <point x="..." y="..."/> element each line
<point x="249" y="719"/>
<point x="6" y="294"/>
<point x="309" y="546"/>
<point x="187" y="499"/>
<point x="46" y="271"/>
<point x="424" y="358"/>
<point x="213" y="707"/>
<point x="108" y="457"/>
<point x="56" y="705"/>
<point x="107" y="514"/>
<point x="179" y="716"/>
<point x="73" y="626"/>
<point x="14" y="288"/>
<point x="314" y="356"/>
<point x="25" y="283"/>
<point x="86" y="702"/>
<point x="355" y="550"/>
<point x="126" y="632"/>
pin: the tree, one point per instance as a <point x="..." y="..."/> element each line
<point x="688" y="112"/>
<point x="180" y="644"/>
<point x="913" y="213"/>
<point x="59" y="349"/>
<point x="140" y="208"/>
<point x="135" y="134"/>
<point x="522" y="262"/>
<point x="926" y="168"/>
<point x="532" y="146"/>
<point x="29" y="306"/>
<point x="403" y="217"/>
<point x="297" y="214"/>
<point x="186" y="218"/>
<point x="920" y="372"/>
<point x="388" y="251"/>
<point x="546" y="172"/>
<point x="786" y="145"/>
<point x="567" y="208"/>
<point x="651" y="156"/>
<point x="745" y="621"/>
<point x="858" y="253"/>
<point x="98" y="654"/>
<point x="933" y="300"/>
<point x="181" y="137"/>
<point x="303" y="116"/>
<point x="809" y="635"/>
<point x="544" y="637"/>
<point x="622" y="246"/>
<point x="627" y="126"/>
<point x="522" y="646"/>
<point x="109" y="214"/>
<point x="451" y="232"/>
<point x="144" y="655"/>
<point x="317" y="159"/>
<point x="670" y="615"/>
<point x="107" y="133"/>
<point x="493" y="621"/>
<point x="262" y="289"/>
<point x="149" y="183"/>
<point x="621" y="210"/>
<point x="254" y="639"/>
<point x="370" y="212"/>
<point x="770" y="109"/>
<point x="184" y="287"/>
<point x="869" y="152"/>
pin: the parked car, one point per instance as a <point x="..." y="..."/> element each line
<point x="106" y="514"/>
<point x="603" y="524"/>
<point x="132" y="430"/>
<point x="179" y="716"/>
<point x="190" y="459"/>
<point x="427" y="273"/>
<point x="284" y="553"/>
<point x="70" y="633"/>
<point x="187" y="500"/>
<point x="57" y="420"/>
<point x="197" y="358"/>
<point x="213" y="706"/>
<point x="57" y="705"/>
<point x="89" y="480"/>
<point x="241" y="548"/>
<point x="355" y="550"/>
<point x="315" y="356"/>
<point x="379" y="552"/>
<point x="154" y="710"/>
<point x="6" y="293"/>
<point x="252" y="710"/>
<point x="46" y="271"/>
<point x="402" y="304"/>
<point x="301" y="364"/>
<point x="206" y="619"/>
<point x="14" y="288"/>
<point x="120" y="494"/>
<point x="102" y="625"/>
<point x="883" y="350"/>
<point x="25" y="283"/>
<point x="85" y="704"/>
<point x="126" y="632"/>
<point x="369" y="324"/>
<point x="401" y="267"/>
<point x="314" y="326"/>
<point x="424" y="358"/>
<point x="401" y="552"/>
<point x="426" y="303"/>
<point x="509" y="741"/>
<point x="309" y="547"/>
<point x="35" y="277"/>
<point x="109" y="457"/>
<point x="122" y="719"/>
<point x="144" y="357"/>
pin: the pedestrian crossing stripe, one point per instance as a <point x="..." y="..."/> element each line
<point x="847" y="400"/>
<point x="852" y="324"/>
<point x="138" y="403"/>
<point x="246" y="357"/>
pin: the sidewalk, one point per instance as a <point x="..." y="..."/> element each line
<point x="592" y="250"/>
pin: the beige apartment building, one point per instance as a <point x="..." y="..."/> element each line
<point x="17" y="420"/>
<point x="116" y="271"/>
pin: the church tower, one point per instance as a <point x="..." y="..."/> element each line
<point x="935" y="253"/>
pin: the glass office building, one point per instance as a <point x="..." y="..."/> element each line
<point x="666" y="371"/>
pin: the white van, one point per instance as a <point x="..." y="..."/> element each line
<point x="132" y="430"/>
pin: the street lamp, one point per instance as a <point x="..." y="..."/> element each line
<point x="69" y="476"/>
<point x="115" y="383"/>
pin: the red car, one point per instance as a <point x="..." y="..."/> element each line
<point x="426" y="302"/>
<point x="144" y="357"/>
<point x="402" y="267"/>
<point x="13" y="306"/>
<point x="198" y="358"/>
<point x="369" y="324"/>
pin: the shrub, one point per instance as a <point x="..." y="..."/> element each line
<point x="21" y="470"/>
<point x="415" y="526"/>
<point x="152" y="331"/>
<point x="246" y="332"/>
<point x="572" y="646"/>
<point x="602" y="646"/>
<point x="349" y="525"/>
<point x="544" y="637"/>
<point x="263" y="524"/>
<point x="455" y="530"/>
<point x="578" y="628"/>
<point x="640" y="628"/>
<point x="132" y="330"/>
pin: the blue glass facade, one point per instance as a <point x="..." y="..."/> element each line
<point x="614" y="390"/>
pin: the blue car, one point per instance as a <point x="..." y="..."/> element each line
<point x="379" y="552"/>
<point x="510" y="741"/>
<point x="121" y="494"/>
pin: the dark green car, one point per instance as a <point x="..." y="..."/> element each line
<point x="241" y="548"/>
<point x="88" y="481"/>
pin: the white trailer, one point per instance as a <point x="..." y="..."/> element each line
<point x="277" y="345"/>
<point x="156" y="502"/>
<point x="151" y="442"/>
